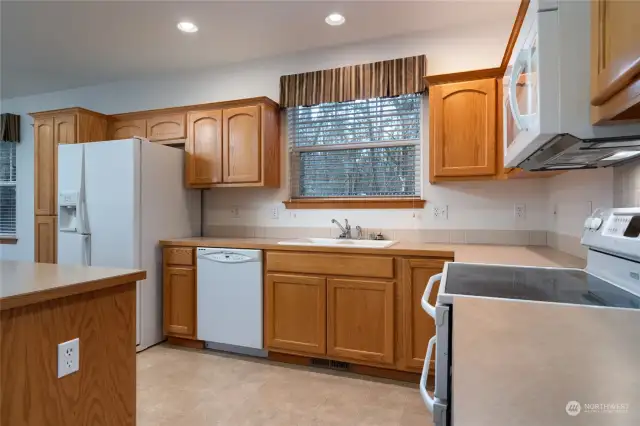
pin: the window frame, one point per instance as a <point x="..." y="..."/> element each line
<point x="12" y="238"/>
<point x="366" y="202"/>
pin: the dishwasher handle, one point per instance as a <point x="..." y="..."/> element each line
<point x="227" y="257"/>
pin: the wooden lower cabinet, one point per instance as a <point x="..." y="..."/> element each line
<point x="46" y="237"/>
<point x="179" y="301"/>
<point x="418" y="326"/>
<point x="360" y="320"/>
<point x="295" y="313"/>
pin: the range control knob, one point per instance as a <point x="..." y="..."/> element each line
<point x="596" y="223"/>
<point x="587" y="223"/>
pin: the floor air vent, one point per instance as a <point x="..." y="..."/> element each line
<point x="326" y="363"/>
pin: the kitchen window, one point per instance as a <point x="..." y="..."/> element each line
<point x="7" y="190"/>
<point x="362" y="149"/>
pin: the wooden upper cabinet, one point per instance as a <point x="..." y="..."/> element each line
<point x="463" y="129"/>
<point x="179" y="285"/>
<point x="295" y="313"/>
<point x="65" y="130"/>
<point x="46" y="236"/>
<point x="204" y="148"/>
<point x="45" y="167"/>
<point x="360" y="320"/>
<point x="418" y="326"/>
<point x="127" y="129"/>
<point x="166" y="127"/>
<point x="241" y="147"/>
<point x="615" y="60"/>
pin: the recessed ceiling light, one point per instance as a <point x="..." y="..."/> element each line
<point x="187" y="27"/>
<point x="334" y="19"/>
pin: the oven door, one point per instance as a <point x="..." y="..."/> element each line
<point x="520" y="103"/>
<point x="440" y="402"/>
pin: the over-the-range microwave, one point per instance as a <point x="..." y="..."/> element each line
<point x="546" y="104"/>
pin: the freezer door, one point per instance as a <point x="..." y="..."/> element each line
<point x="112" y="191"/>
<point x="439" y="408"/>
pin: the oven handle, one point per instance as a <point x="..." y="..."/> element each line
<point x="518" y="66"/>
<point x="430" y="309"/>
<point x="428" y="399"/>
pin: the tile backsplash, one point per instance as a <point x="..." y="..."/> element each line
<point x="626" y="185"/>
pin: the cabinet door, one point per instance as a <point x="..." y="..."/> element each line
<point x="166" y="127"/>
<point x="128" y="129"/>
<point x="418" y="326"/>
<point x="204" y="147"/>
<point x="462" y="121"/>
<point x="65" y="128"/>
<point x="360" y="324"/>
<point x="179" y="302"/>
<point x="241" y="147"/>
<point x="615" y="48"/>
<point x="295" y="313"/>
<point x="45" y="173"/>
<point x="46" y="234"/>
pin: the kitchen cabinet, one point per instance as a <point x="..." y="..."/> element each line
<point x="179" y="293"/>
<point x="241" y="144"/>
<point x="235" y="144"/>
<point x="169" y="127"/>
<point x="360" y="320"/>
<point x="126" y="129"/>
<point x="615" y="60"/>
<point x="46" y="236"/>
<point x="64" y="128"/>
<point x="418" y="327"/>
<point x="295" y="313"/>
<point x="50" y="129"/>
<point x="45" y="152"/>
<point x="463" y="129"/>
<point x="204" y="147"/>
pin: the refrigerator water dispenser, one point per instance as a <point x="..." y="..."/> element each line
<point x="69" y="202"/>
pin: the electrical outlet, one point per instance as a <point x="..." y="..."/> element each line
<point x="235" y="212"/>
<point x="275" y="212"/>
<point x="68" y="357"/>
<point x="520" y="211"/>
<point x="441" y="212"/>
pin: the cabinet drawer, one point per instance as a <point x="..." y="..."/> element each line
<point x="331" y="264"/>
<point x="178" y="256"/>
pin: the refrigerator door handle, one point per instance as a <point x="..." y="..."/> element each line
<point x="86" y="252"/>
<point x="429" y="308"/>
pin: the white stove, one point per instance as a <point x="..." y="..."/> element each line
<point x="534" y="346"/>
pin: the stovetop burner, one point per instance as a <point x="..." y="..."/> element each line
<point x="573" y="286"/>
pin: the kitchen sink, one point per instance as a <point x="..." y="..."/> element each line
<point x="333" y="242"/>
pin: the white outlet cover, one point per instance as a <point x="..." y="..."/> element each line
<point x="275" y="212"/>
<point x="235" y="212"/>
<point x="520" y="211"/>
<point x="68" y="357"/>
<point x="441" y="212"/>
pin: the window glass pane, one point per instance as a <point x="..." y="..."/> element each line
<point x="365" y="148"/>
<point x="7" y="210"/>
<point x="7" y="162"/>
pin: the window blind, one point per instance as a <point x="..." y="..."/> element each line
<point x="7" y="189"/>
<point x="362" y="148"/>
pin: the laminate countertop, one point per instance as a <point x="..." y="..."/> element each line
<point x="26" y="283"/>
<point x="472" y="253"/>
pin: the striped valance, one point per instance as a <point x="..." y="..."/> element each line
<point x="9" y="128"/>
<point x="378" y="79"/>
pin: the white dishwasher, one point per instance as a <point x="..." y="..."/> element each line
<point x="230" y="300"/>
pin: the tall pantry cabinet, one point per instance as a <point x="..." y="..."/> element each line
<point x="50" y="129"/>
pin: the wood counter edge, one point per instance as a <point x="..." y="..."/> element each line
<point x="34" y="297"/>
<point x="383" y="251"/>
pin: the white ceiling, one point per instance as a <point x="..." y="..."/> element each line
<point x="54" y="45"/>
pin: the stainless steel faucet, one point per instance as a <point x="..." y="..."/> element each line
<point x="346" y="229"/>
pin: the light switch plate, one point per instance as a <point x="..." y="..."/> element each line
<point x="68" y="357"/>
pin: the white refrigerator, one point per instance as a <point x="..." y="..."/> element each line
<point x="116" y="200"/>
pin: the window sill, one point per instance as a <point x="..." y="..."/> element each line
<point x="354" y="203"/>
<point x="8" y="240"/>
